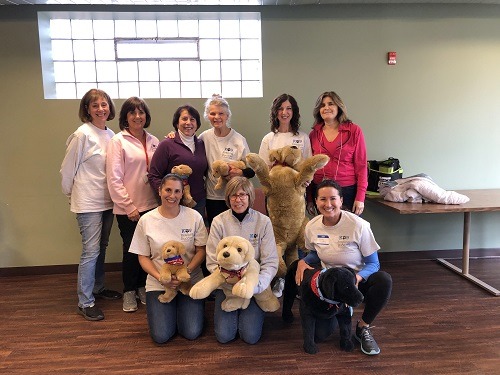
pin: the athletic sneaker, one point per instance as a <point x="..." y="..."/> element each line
<point x="278" y="287"/>
<point x="141" y="294"/>
<point x="108" y="294"/>
<point x="368" y="344"/>
<point x="92" y="313"/>
<point x="129" y="301"/>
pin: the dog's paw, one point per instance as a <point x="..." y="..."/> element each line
<point x="311" y="349"/>
<point x="346" y="345"/>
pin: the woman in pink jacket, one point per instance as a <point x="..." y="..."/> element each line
<point x="127" y="164"/>
<point x="335" y="135"/>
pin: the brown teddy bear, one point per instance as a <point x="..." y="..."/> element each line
<point x="184" y="171"/>
<point x="237" y="274"/>
<point x="174" y="265"/>
<point x="284" y="187"/>
<point x="220" y="169"/>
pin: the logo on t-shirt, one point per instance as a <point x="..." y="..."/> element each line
<point x="228" y="153"/>
<point x="298" y="143"/>
<point x="254" y="239"/>
<point x="186" y="235"/>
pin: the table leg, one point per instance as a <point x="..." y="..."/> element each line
<point x="466" y="242"/>
<point x="464" y="272"/>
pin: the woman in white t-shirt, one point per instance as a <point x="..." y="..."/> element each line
<point x="83" y="173"/>
<point x="338" y="238"/>
<point x="221" y="143"/>
<point x="171" y="221"/>
<point x="285" y="123"/>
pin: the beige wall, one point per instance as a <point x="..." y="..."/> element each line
<point x="437" y="110"/>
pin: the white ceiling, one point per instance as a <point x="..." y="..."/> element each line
<point x="238" y="2"/>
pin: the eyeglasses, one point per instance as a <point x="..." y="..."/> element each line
<point x="241" y="196"/>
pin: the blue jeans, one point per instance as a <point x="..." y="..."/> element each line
<point x="95" y="228"/>
<point x="247" y="322"/>
<point x="182" y="313"/>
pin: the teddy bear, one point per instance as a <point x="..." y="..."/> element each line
<point x="238" y="274"/>
<point x="220" y="170"/>
<point x="184" y="171"/>
<point x="284" y="187"/>
<point x="174" y="265"/>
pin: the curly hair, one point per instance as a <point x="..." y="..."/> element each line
<point x="273" y="116"/>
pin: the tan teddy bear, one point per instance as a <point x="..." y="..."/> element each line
<point x="220" y="170"/>
<point x="237" y="274"/>
<point x="284" y="187"/>
<point x="174" y="265"/>
<point x="184" y="171"/>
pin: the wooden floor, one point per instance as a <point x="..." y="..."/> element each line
<point x="435" y="323"/>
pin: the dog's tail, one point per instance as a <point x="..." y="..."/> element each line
<point x="289" y="293"/>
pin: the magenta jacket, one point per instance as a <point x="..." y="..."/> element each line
<point x="347" y="152"/>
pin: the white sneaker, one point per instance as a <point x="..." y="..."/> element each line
<point x="141" y="294"/>
<point x="278" y="287"/>
<point x="129" y="301"/>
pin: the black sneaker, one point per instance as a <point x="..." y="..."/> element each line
<point x="108" y="294"/>
<point x="91" y="313"/>
<point x="368" y="344"/>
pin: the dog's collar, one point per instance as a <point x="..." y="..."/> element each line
<point x="175" y="260"/>
<point x="229" y="274"/>
<point x="317" y="291"/>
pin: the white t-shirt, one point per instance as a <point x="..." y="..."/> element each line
<point x="83" y="169"/>
<point x="273" y="141"/>
<point x="153" y="230"/>
<point x="344" y="244"/>
<point x="232" y="147"/>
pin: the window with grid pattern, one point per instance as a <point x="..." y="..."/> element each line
<point x="160" y="55"/>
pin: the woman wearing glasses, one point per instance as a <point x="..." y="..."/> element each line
<point x="241" y="220"/>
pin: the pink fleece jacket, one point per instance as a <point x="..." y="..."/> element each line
<point x="347" y="152"/>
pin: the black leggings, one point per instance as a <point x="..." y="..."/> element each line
<point x="214" y="208"/>
<point x="377" y="291"/>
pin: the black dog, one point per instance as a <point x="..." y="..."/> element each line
<point x="323" y="295"/>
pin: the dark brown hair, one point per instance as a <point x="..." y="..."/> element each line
<point x="273" y="117"/>
<point x="130" y="105"/>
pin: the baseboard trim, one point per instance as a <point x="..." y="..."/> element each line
<point x="51" y="270"/>
<point x="397" y="256"/>
<point x="434" y="254"/>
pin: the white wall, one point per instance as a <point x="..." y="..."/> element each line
<point x="437" y="110"/>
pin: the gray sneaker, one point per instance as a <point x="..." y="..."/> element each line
<point x="129" y="301"/>
<point x="368" y="344"/>
<point x="141" y="294"/>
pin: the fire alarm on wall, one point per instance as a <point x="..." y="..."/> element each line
<point x="391" y="58"/>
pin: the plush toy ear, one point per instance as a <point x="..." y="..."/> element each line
<point x="274" y="155"/>
<point x="181" y="248"/>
